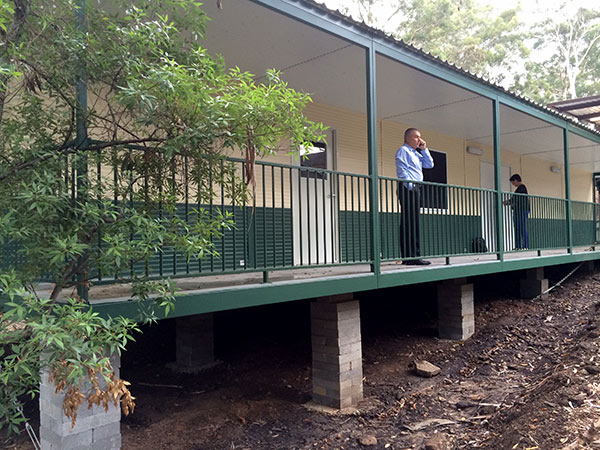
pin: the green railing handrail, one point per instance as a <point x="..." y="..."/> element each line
<point x="295" y="167"/>
<point x="431" y="183"/>
<point x="518" y="194"/>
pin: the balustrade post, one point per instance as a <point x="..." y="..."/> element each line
<point x="81" y="129"/>
<point x="373" y="173"/>
<point x="569" y="214"/>
<point x="497" y="181"/>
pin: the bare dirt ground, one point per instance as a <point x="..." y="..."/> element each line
<point x="528" y="378"/>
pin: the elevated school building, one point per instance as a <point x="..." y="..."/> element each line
<point x="326" y="227"/>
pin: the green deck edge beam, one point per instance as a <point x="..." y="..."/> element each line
<point x="235" y="297"/>
<point x="568" y="190"/>
<point x="497" y="175"/>
<point x="431" y="274"/>
<point x="373" y="160"/>
<point x="244" y="296"/>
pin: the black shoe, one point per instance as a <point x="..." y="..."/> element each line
<point x="417" y="262"/>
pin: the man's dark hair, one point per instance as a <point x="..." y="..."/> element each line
<point x="516" y="177"/>
<point x="408" y="131"/>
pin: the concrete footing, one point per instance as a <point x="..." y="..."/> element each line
<point x="336" y="351"/>
<point x="195" y="343"/>
<point x="588" y="267"/>
<point x="456" y="310"/>
<point x="95" y="429"/>
<point x="534" y="283"/>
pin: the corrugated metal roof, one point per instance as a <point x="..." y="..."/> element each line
<point x="584" y="108"/>
<point x="336" y="14"/>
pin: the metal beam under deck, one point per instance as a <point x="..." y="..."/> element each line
<point x="221" y="299"/>
<point x="481" y="268"/>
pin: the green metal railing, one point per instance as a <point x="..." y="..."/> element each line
<point x="452" y="220"/>
<point x="584" y="217"/>
<point x="534" y="222"/>
<point x="295" y="217"/>
<point x="301" y="217"/>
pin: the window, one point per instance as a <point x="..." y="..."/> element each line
<point x="437" y="196"/>
<point x="314" y="157"/>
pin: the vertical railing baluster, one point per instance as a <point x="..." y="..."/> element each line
<point x="234" y="218"/>
<point x="332" y="215"/>
<point x="283" y="233"/>
<point x="264" y="212"/>
<point x="369" y="254"/>
<point x="222" y="183"/>
<point x="175" y="210"/>
<point x="99" y="199"/>
<point x="383" y="212"/>
<point x="210" y="210"/>
<point x="359" y="215"/>
<point x="274" y="239"/>
<point x="353" y="219"/>
<point x="317" y="234"/>
<point x="187" y="203"/>
<point x="160" y="217"/>
<point x="308" y="217"/>
<point x="245" y="237"/>
<point x="301" y="231"/>
<point x="338" y="191"/>
<point x="347" y="258"/>
<point x="324" y="200"/>
<point x="131" y="232"/>
<point x="198" y="181"/>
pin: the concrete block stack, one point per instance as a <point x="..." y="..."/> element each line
<point x="534" y="283"/>
<point x="95" y="428"/>
<point x="195" y="346"/>
<point x="337" y="352"/>
<point x="456" y="310"/>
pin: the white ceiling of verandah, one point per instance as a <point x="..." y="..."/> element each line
<point x="333" y="71"/>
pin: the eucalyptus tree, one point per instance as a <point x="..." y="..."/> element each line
<point x="82" y="178"/>
<point x="568" y="65"/>
<point x="458" y="31"/>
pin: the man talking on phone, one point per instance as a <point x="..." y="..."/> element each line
<point x="411" y="159"/>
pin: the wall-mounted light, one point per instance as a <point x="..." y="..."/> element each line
<point x="555" y="169"/>
<point x="474" y="151"/>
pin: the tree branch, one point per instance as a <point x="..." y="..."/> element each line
<point x="11" y="39"/>
<point x="66" y="150"/>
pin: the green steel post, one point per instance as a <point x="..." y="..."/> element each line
<point x="497" y="181"/>
<point x="568" y="189"/>
<point x="373" y="175"/>
<point x="82" y="137"/>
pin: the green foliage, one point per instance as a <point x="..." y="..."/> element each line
<point x="458" y="31"/>
<point x="570" y="68"/>
<point x="161" y="115"/>
<point x="554" y="59"/>
<point x="70" y="343"/>
<point x="465" y="34"/>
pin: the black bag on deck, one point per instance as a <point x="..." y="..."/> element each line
<point x="478" y="245"/>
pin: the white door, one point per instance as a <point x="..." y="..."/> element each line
<point x="314" y="205"/>
<point x="488" y="216"/>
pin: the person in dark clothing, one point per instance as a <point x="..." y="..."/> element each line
<point x="520" y="207"/>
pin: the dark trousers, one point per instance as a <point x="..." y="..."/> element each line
<point x="410" y="203"/>
<point x="521" y="234"/>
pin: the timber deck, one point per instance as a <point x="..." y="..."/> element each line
<point x="194" y="285"/>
